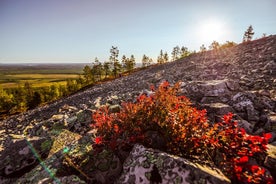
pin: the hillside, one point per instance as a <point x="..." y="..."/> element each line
<point x="240" y="79"/>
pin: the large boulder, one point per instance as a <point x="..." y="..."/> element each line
<point x="270" y="161"/>
<point x="21" y="156"/>
<point x="145" y="165"/>
<point x="210" y="91"/>
<point x="72" y="156"/>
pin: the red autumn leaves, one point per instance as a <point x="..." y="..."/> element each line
<point x="186" y="131"/>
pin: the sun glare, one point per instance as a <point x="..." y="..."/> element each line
<point x="211" y="30"/>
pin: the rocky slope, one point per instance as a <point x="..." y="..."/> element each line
<point x="240" y="79"/>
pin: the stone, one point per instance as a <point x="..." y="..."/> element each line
<point x="114" y="108"/>
<point x="155" y="140"/>
<point x="248" y="127"/>
<point x="240" y="77"/>
<point x="271" y="122"/>
<point x="64" y="139"/>
<point x="214" y="88"/>
<point x="219" y="108"/>
<point x="246" y="106"/>
<point x="270" y="161"/>
<point x="145" y="165"/>
<point x="232" y="85"/>
<point x="84" y="116"/>
<point x="22" y="155"/>
<point x="70" y="156"/>
<point x="72" y="179"/>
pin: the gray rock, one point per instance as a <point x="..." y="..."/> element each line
<point x="22" y="155"/>
<point x="214" y="88"/>
<point x="248" y="127"/>
<point x="242" y="77"/>
<point x="271" y="122"/>
<point x="114" y="108"/>
<point x="151" y="166"/>
<point x="270" y="161"/>
<point x="72" y="179"/>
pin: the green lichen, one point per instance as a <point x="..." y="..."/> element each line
<point x="46" y="145"/>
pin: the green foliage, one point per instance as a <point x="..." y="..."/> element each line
<point x="184" y="52"/>
<point x="202" y="48"/>
<point x="186" y="132"/>
<point x="46" y="145"/>
<point x="87" y="73"/>
<point x="6" y="100"/>
<point x="97" y="70"/>
<point x="248" y="34"/>
<point x="128" y="63"/>
<point x="163" y="57"/>
<point x="214" y="45"/>
<point x="146" y="61"/>
<point x="175" y="53"/>
<point x="228" y="44"/>
<point x="20" y="99"/>
<point x="114" y="54"/>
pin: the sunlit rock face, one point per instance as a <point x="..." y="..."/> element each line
<point x="240" y="79"/>
<point x="146" y="165"/>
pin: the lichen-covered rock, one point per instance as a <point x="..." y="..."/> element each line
<point x="80" y="123"/>
<point x="22" y="155"/>
<point x="72" y="154"/>
<point x="214" y="88"/>
<point x="72" y="179"/>
<point x="241" y="78"/>
<point x="44" y="171"/>
<point x="270" y="125"/>
<point x="151" y="166"/>
<point x="270" y="161"/>
<point x="63" y="139"/>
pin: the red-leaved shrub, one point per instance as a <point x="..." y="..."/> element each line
<point x="186" y="132"/>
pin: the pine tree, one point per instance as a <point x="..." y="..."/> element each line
<point x="214" y="45"/>
<point x="160" y="58"/>
<point x="175" y="53"/>
<point x="132" y="63"/>
<point x="202" y="48"/>
<point x="87" y="73"/>
<point x="125" y="61"/>
<point x="97" y="70"/>
<point x="114" y="54"/>
<point x="166" y="57"/>
<point x="248" y="34"/>
<point x="106" y="68"/>
<point x="184" y="52"/>
<point x="145" y="61"/>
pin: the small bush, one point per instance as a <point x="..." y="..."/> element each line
<point x="186" y="132"/>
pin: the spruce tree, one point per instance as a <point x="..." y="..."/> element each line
<point x="248" y="34"/>
<point x="114" y="54"/>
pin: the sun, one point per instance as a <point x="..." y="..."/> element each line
<point x="211" y="30"/>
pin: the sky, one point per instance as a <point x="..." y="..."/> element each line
<point x="55" y="31"/>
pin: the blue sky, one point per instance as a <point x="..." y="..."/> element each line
<point x="80" y="30"/>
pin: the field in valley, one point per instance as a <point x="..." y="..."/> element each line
<point x="39" y="75"/>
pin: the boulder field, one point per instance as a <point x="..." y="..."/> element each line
<point x="53" y="143"/>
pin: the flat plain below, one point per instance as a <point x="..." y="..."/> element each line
<point x="38" y="74"/>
